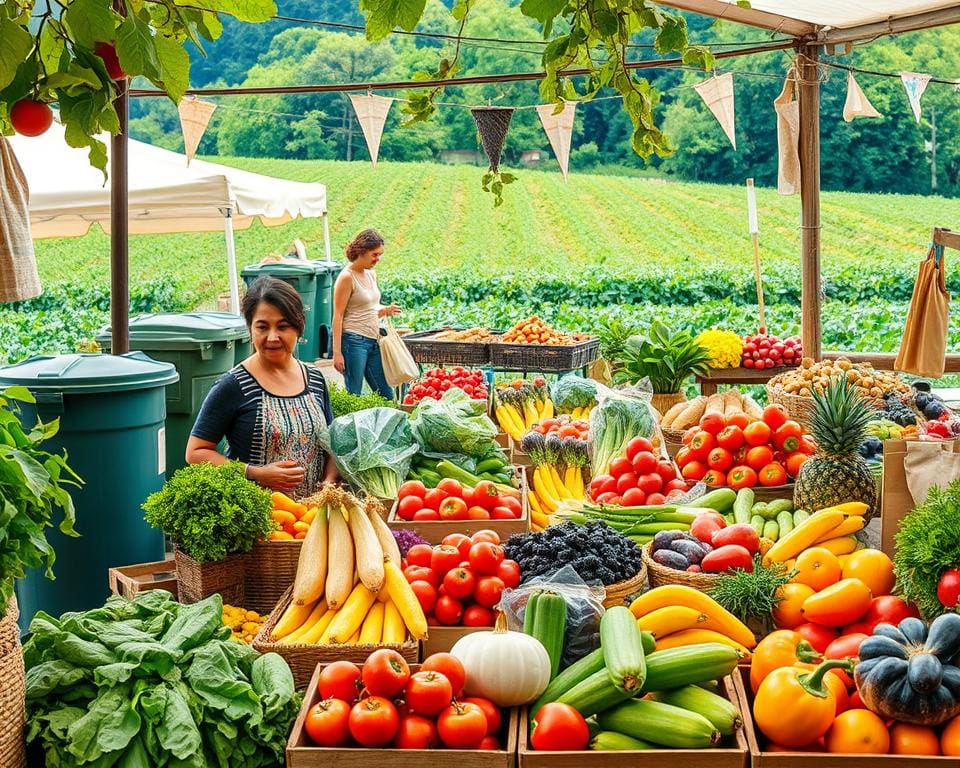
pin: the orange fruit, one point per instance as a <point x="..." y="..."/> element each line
<point x="858" y="731"/>
<point x="817" y="568"/>
<point x="909" y="739"/>
<point x="873" y="568"/>
<point x="787" y="614"/>
<point x="950" y="738"/>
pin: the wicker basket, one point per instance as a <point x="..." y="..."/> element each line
<point x="799" y="408"/>
<point x="425" y="348"/>
<point x="195" y="581"/>
<point x="661" y="574"/>
<point x="663" y="401"/>
<point x="303" y="659"/>
<point x="13" y="690"/>
<point x="623" y="592"/>
<point x="270" y="570"/>
<point x="542" y="358"/>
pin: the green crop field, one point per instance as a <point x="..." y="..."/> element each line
<point x="574" y="252"/>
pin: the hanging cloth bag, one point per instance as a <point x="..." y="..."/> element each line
<point x="924" y="344"/>
<point x="399" y="367"/>
<point x="18" y="266"/>
<point x="788" y="136"/>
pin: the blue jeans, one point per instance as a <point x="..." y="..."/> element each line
<point x="361" y="358"/>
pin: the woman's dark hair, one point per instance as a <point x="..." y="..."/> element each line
<point x="278" y="293"/>
<point x="362" y="243"/>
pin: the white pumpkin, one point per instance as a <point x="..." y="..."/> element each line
<point x="509" y="668"/>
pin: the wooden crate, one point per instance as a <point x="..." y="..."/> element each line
<point x="435" y="530"/>
<point x="301" y="754"/>
<point x="442" y="639"/>
<point x="129" y="580"/>
<point x="735" y="756"/>
<point x="762" y="759"/>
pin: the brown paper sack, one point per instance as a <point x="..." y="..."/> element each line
<point x="18" y="266"/>
<point x="857" y="103"/>
<point x="788" y="137"/>
<point x="194" y="117"/>
<point x="924" y="345"/>
<point x="559" y="129"/>
<point x="717" y="94"/>
<point x="372" y="111"/>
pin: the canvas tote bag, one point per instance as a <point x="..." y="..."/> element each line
<point x="399" y="367"/>
<point x="18" y="266"/>
<point x="924" y="344"/>
<point x="788" y="136"/>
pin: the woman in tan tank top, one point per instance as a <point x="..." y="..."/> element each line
<point x="356" y="317"/>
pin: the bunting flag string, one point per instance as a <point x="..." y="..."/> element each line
<point x="857" y="103"/>
<point x="915" y="84"/>
<point x="717" y="94"/>
<point x="194" y="117"/>
<point x="559" y="129"/>
<point x="372" y="111"/>
<point x="492" y="125"/>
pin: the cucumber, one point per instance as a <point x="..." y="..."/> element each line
<point x="430" y="478"/>
<point x="719" y="500"/>
<point x="611" y="741"/>
<point x="595" y="694"/>
<point x="799" y="515"/>
<point x="757" y="522"/>
<point x="493" y="466"/>
<point x="622" y="648"/>
<point x="767" y="513"/>
<point x="724" y="716"/>
<point x="759" y="508"/>
<point x="785" y="521"/>
<point x="530" y="614"/>
<point x="689" y="665"/>
<point x="576" y="673"/>
<point x="709" y="685"/>
<point x="550" y="626"/>
<point x="742" y="505"/>
<point x="660" y="723"/>
<point x="649" y="643"/>
<point x="780" y="505"/>
<point x="729" y="518"/>
<point x="771" y="530"/>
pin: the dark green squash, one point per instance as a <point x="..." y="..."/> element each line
<point x="906" y="672"/>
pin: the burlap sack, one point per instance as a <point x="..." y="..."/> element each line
<point x="18" y="266"/>
<point x="924" y="345"/>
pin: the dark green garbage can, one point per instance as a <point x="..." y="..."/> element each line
<point x="202" y="347"/>
<point x="327" y="272"/>
<point x="111" y="411"/>
<point x="302" y="275"/>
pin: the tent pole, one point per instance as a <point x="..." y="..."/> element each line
<point x="811" y="297"/>
<point x="326" y="237"/>
<point x="231" y="262"/>
<point x="119" y="229"/>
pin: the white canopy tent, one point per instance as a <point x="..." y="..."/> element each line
<point x="67" y="195"/>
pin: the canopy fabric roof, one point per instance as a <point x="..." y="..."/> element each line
<point x="67" y="194"/>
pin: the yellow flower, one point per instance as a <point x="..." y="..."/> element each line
<point x="725" y="347"/>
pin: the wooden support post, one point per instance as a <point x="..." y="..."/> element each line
<point x="119" y="245"/>
<point x="810" y="200"/>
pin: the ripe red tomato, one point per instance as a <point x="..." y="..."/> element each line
<point x="741" y="477"/>
<point x="459" y="583"/>
<point x="817" y="635"/>
<point x="490" y="710"/>
<point x="731" y="438"/>
<point x="426" y="595"/>
<point x="462" y="726"/>
<point x="610" y="497"/>
<point x="688" y="435"/>
<point x="421" y="573"/>
<point x="501" y="513"/>
<point x="559" y="727"/>
<point x="485" y="558"/>
<point x="513" y="504"/>
<point x="715" y="478"/>
<point x="468" y="496"/>
<point x="485" y="494"/>
<point x="453" y="508"/>
<point x="327" y="723"/>
<point x="788" y="437"/>
<point x="385" y="673"/>
<point x="712" y="423"/>
<point x="478" y="616"/>
<point x="459" y="540"/>
<point x="638" y="445"/>
<point x="720" y="459"/>
<point x="432" y="499"/>
<point x="701" y="445"/>
<point x="374" y="720"/>
<point x="632" y="497"/>
<point x="757" y="433"/>
<point x="420" y="554"/>
<point x="694" y="470"/>
<point x="489" y="743"/>
<point x="449" y="666"/>
<point x="794" y="462"/>
<point x="666" y="470"/>
<point x="338" y="680"/>
<point x="655" y="499"/>
<point x="845" y="647"/>
<point x="416" y="732"/>
<point x="448" y="610"/>
<point x="620" y="466"/>
<point x="428" y="692"/>
<point x="488" y="590"/>
<point x="650" y="483"/>
<point x="31" y="118"/>
<point x="408" y="506"/>
<point x="451" y="487"/>
<point x="628" y="480"/>
<point x="485" y="534"/>
<point x="706" y="524"/>
<point x="509" y="573"/>
<point x="684" y="456"/>
<point x="727" y="557"/>
<point x="676" y="485"/>
<point x="758" y="457"/>
<point x="644" y="463"/>
<point x="426" y="514"/>
<point x="775" y="415"/>
<point x="411" y="488"/>
<point x="772" y="474"/>
<point x="739" y="420"/>
<point x="742" y="534"/>
<point x="444" y="558"/>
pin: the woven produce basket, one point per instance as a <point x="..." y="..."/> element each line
<point x="271" y="568"/>
<point x="622" y="592"/>
<point x="426" y="348"/>
<point x="303" y="659"/>
<point x="13" y="690"/>
<point x="661" y="574"/>
<point x="544" y="358"/>
<point x="196" y="581"/>
<point x="799" y="408"/>
<point x="663" y="401"/>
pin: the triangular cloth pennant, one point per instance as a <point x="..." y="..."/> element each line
<point x="372" y="113"/>
<point x="194" y="118"/>
<point x="857" y="103"/>
<point x="559" y="129"/>
<point x="915" y="84"/>
<point x="717" y="94"/>
<point x="492" y="125"/>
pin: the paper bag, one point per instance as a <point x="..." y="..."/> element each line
<point x="399" y="367"/>
<point x="924" y="345"/>
<point x="788" y="137"/>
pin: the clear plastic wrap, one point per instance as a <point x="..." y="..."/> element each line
<point x="584" y="609"/>
<point x="619" y="416"/>
<point x="455" y="423"/>
<point x="573" y="391"/>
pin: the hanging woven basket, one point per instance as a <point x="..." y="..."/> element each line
<point x="13" y="691"/>
<point x="492" y="125"/>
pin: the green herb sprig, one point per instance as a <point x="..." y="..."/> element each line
<point x="752" y="597"/>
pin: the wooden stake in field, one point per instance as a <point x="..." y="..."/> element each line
<point x="755" y="236"/>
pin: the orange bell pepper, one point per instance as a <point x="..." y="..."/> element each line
<point x="284" y="502"/>
<point x="794" y="707"/>
<point x="783" y="648"/>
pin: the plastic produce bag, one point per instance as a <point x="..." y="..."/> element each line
<point x="456" y="423"/>
<point x="573" y="391"/>
<point x="373" y="449"/>
<point x="620" y="416"/>
<point x="584" y="609"/>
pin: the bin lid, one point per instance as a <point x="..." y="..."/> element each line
<point x="326" y="266"/>
<point x="286" y="268"/>
<point x="89" y="373"/>
<point x="194" y="327"/>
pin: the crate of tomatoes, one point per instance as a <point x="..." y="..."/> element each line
<point x="436" y="381"/>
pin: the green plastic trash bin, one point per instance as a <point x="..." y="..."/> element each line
<point x="327" y="272"/>
<point x="302" y="275"/>
<point x="202" y="347"/>
<point x="111" y="411"/>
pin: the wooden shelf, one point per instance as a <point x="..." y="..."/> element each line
<point x="709" y="384"/>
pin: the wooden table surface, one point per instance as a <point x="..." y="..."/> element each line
<point x="709" y="384"/>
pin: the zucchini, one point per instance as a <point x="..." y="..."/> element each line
<point x="494" y="466"/>
<point x="660" y="723"/>
<point x="771" y="530"/>
<point x="758" y="522"/>
<point x="719" y="500"/>
<point x="742" y="505"/>
<point x="780" y="505"/>
<point x="576" y="673"/>
<point x="550" y="626"/>
<point x="724" y="716"/>
<point x="530" y="613"/>
<point x="799" y="515"/>
<point x="649" y="643"/>
<point x="611" y="741"/>
<point x="689" y="665"/>
<point x="594" y="694"/>
<point x="767" y="512"/>
<point x="430" y="478"/>
<point x="785" y="521"/>
<point x="622" y="648"/>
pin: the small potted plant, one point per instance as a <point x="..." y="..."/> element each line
<point x="214" y="516"/>
<point x="666" y="359"/>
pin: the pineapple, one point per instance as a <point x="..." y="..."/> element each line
<point x="836" y="472"/>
